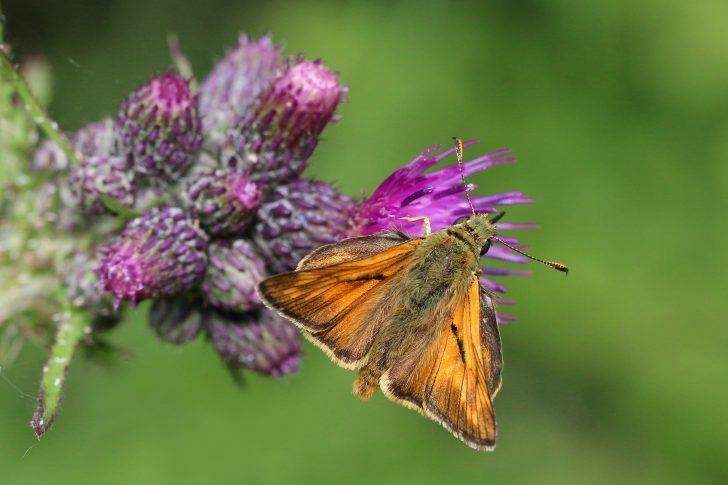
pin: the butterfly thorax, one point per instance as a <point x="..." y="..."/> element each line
<point x="442" y="268"/>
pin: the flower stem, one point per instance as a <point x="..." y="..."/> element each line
<point x="72" y="326"/>
<point x="2" y="25"/>
<point x="36" y="112"/>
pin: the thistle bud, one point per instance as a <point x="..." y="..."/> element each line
<point x="160" y="128"/>
<point x="223" y="201"/>
<point x="102" y="171"/>
<point x="235" y="82"/>
<point x="261" y="341"/>
<point x="96" y="138"/>
<point x="92" y="139"/>
<point x="49" y="157"/>
<point x="157" y="255"/>
<point x="233" y="272"/>
<point x="176" y="320"/>
<point x="273" y="140"/>
<point x="296" y="218"/>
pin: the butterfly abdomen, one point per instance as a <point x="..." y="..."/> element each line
<point x="367" y="381"/>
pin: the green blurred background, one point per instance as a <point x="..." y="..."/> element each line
<point x="618" y="113"/>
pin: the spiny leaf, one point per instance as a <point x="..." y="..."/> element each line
<point x="73" y="324"/>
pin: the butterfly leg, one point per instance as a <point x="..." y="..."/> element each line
<point x="426" y="227"/>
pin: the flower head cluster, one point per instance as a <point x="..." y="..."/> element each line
<point x="211" y="184"/>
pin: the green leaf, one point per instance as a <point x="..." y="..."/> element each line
<point x="73" y="324"/>
<point x="114" y="206"/>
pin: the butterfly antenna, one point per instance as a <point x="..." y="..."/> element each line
<point x="557" y="266"/>
<point x="459" y="152"/>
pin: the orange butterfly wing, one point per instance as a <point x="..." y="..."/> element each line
<point x="455" y="380"/>
<point x="334" y="290"/>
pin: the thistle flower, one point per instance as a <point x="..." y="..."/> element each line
<point x="176" y="320"/>
<point x="157" y="255"/>
<point x="296" y="218"/>
<point x="261" y="341"/>
<point x="159" y="127"/>
<point x="102" y="171"/>
<point x="233" y="272"/>
<point x="222" y="200"/>
<point x="439" y="195"/>
<point x="273" y="140"/>
<point x="97" y="138"/>
<point x="235" y="82"/>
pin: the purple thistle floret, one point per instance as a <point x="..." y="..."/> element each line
<point x="223" y="200"/>
<point x="262" y="341"/>
<point x="235" y="82"/>
<point x="234" y="270"/>
<point x="159" y="128"/>
<point x="274" y="139"/>
<point x="440" y="195"/>
<point x="159" y="254"/>
<point x="295" y="219"/>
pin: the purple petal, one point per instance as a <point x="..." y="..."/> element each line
<point x="504" y="319"/>
<point x="493" y="285"/>
<point x="506" y="226"/>
<point x="504" y="272"/>
<point x="505" y="254"/>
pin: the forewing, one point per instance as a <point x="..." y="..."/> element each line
<point x="452" y="381"/>
<point x="333" y="303"/>
<point x="351" y="249"/>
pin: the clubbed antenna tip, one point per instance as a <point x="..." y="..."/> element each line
<point x="557" y="266"/>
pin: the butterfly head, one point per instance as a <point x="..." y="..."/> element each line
<point x="479" y="229"/>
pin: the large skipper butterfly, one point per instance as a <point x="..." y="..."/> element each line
<point x="411" y="315"/>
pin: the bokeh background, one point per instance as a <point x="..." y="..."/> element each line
<point x="618" y="112"/>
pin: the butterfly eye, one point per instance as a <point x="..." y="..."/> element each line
<point x="461" y="219"/>
<point x="485" y="248"/>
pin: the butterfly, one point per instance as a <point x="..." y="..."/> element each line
<point x="411" y="315"/>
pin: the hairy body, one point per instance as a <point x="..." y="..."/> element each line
<point x="419" y="298"/>
<point x="411" y="315"/>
